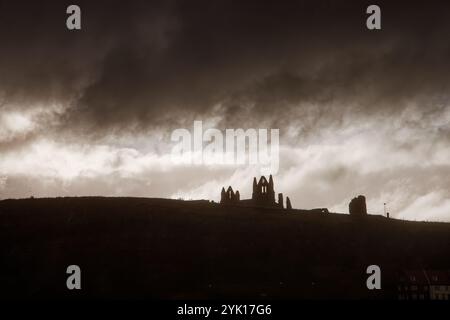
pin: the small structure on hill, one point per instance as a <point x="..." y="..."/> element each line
<point x="357" y="206"/>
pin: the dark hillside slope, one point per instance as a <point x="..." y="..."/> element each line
<point x="158" y="248"/>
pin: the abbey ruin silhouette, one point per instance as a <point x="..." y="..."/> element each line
<point x="263" y="195"/>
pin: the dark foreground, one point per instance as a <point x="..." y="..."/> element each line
<point x="157" y="248"/>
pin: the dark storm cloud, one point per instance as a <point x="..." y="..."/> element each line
<point x="359" y="111"/>
<point x="144" y="63"/>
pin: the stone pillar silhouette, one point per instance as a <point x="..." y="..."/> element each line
<point x="255" y="188"/>
<point x="271" y="191"/>
<point x="288" y="203"/>
<point x="222" y="195"/>
<point x="280" y="200"/>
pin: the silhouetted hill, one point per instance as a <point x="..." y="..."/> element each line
<point x="159" y="248"/>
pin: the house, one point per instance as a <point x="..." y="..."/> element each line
<point x="424" y="285"/>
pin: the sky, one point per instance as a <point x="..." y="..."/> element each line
<point x="91" y="112"/>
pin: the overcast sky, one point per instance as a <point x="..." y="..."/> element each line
<point x="91" y="112"/>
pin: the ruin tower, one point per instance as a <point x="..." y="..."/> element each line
<point x="357" y="206"/>
<point x="263" y="192"/>
<point x="229" y="196"/>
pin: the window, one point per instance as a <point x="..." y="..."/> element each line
<point x="414" y="288"/>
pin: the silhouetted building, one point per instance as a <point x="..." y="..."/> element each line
<point x="424" y="285"/>
<point x="263" y="195"/>
<point x="229" y="196"/>
<point x="357" y="206"/>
